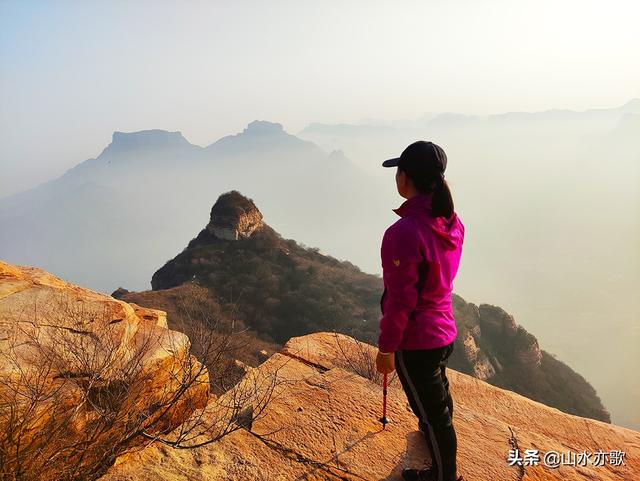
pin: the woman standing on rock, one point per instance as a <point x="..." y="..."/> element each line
<point x="420" y="255"/>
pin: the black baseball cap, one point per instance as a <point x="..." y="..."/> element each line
<point x="421" y="158"/>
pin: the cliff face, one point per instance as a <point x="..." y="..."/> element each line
<point x="324" y="425"/>
<point x="500" y="337"/>
<point x="78" y="368"/>
<point x="285" y="289"/>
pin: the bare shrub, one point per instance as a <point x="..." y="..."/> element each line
<point x="80" y="386"/>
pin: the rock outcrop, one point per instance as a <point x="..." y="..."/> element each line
<point x="79" y="368"/>
<point x="324" y="425"/>
<point x="234" y="216"/>
<point x="494" y="325"/>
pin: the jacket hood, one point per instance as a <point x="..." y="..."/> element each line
<point x="449" y="231"/>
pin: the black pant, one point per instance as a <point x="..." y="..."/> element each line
<point x="423" y="377"/>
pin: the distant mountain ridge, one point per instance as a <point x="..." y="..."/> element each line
<point x="447" y="119"/>
<point x="281" y="290"/>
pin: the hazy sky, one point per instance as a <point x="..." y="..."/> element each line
<point x="73" y="72"/>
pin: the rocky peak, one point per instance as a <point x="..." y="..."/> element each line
<point x="234" y="216"/>
<point x="144" y="140"/>
<point x="263" y="127"/>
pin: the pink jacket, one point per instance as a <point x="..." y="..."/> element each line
<point x="420" y="258"/>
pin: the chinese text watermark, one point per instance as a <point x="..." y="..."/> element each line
<point x="555" y="459"/>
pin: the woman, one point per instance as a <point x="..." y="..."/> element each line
<point x="420" y="255"/>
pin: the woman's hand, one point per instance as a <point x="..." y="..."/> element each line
<point x="385" y="363"/>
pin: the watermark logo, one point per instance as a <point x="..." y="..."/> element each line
<point x="555" y="459"/>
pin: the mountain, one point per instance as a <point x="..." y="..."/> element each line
<point x="323" y="425"/>
<point x="282" y="289"/>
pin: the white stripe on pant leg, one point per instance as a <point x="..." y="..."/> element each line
<point x="423" y="414"/>
<point x="435" y="444"/>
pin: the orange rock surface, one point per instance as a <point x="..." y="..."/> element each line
<point x="324" y="426"/>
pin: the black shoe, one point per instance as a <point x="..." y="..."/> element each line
<point x="427" y="474"/>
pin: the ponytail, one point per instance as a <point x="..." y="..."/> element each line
<point x="442" y="200"/>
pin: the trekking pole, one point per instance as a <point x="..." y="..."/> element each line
<point x="384" y="419"/>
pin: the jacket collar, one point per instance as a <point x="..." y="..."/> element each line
<point x="417" y="203"/>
